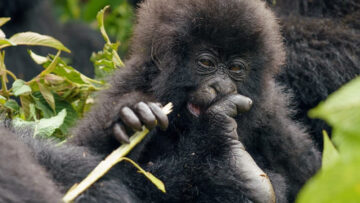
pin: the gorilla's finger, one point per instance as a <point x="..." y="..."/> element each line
<point x="160" y="115"/>
<point x="242" y="103"/>
<point x="130" y="118"/>
<point x="256" y="182"/>
<point x="145" y="114"/>
<point x="120" y="133"/>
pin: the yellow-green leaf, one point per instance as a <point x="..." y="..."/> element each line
<point x="48" y="96"/>
<point x="341" y="109"/>
<point x="100" y="20"/>
<point x="37" y="58"/>
<point x="330" y="154"/>
<point x="32" y="38"/>
<point x="3" y="21"/>
<point x="5" y="42"/>
<point x="158" y="183"/>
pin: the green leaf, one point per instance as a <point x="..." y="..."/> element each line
<point x="100" y="20"/>
<point x="330" y="154"/>
<point x="12" y="104"/>
<point x="71" y="116"/>
<point x="42" y="105"/>
<point x="342" y="108"/>
<point x="340" y="183"/>
<point x="5" y="43"/>
<point x="44" y="127"/>
<point x="20" y="88"/>
<point x="32" y="38"/>
<point x="37" y="58"/>
<point x="47" y="126"/>
<point x="3" y="21"/>
<point x="48" y="96"/>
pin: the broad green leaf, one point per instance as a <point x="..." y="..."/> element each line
<point x="342" y="108"/>
<point x="20" y="88"/>
<point x="37" y="58"/>
<point x="3" y="21"/>
<point x="330" y="154"/>
<point x="48" y="96"/>
<point x="32" y="38"/>
<point x="47" y="126"/>
<point x="12" y="104"/>
<point x="44" y="127"/>
<point x="100" y="21"/>
<point x="339" y="183"/>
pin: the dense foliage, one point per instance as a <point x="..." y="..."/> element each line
<point x="52" y="101"/>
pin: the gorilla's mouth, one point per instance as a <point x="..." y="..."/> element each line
<point x="194" y="109"/>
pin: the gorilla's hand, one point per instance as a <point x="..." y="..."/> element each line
<point x="221" y="114"/>
<point x="133" y="117"/>
<point x="221" y="119"/>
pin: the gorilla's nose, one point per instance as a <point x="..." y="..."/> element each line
<point x="223" y="86"/>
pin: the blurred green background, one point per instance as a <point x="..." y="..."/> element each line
<point x="118" y="20"/>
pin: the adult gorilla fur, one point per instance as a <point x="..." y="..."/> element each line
<point x="322" y="41"/>
<point x="199" y="158"/>
<point x="37" y="16"/>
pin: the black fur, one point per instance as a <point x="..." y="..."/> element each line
<point x="323" y="47"/>
<point x="37" y="16"/>
<point x="193" y="156"/>
<point x="21" y="177"/>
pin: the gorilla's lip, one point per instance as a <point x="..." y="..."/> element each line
<point x="194" y="109"/>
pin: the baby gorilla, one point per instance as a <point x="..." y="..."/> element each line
<point x="207" y="57"/>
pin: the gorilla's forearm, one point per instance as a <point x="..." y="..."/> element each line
<point x="295" y="153"/>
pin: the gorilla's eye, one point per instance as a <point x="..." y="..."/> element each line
<point x="206" y="62"/>
<point x="238" y="69"/>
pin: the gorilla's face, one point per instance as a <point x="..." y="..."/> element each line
<point x="218" y="74"/>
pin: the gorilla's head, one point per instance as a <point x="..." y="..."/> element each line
<point x="208" y="49"/>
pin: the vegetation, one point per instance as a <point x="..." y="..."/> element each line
<point x="53" y="100"/>
<point x="339" y="178"/>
